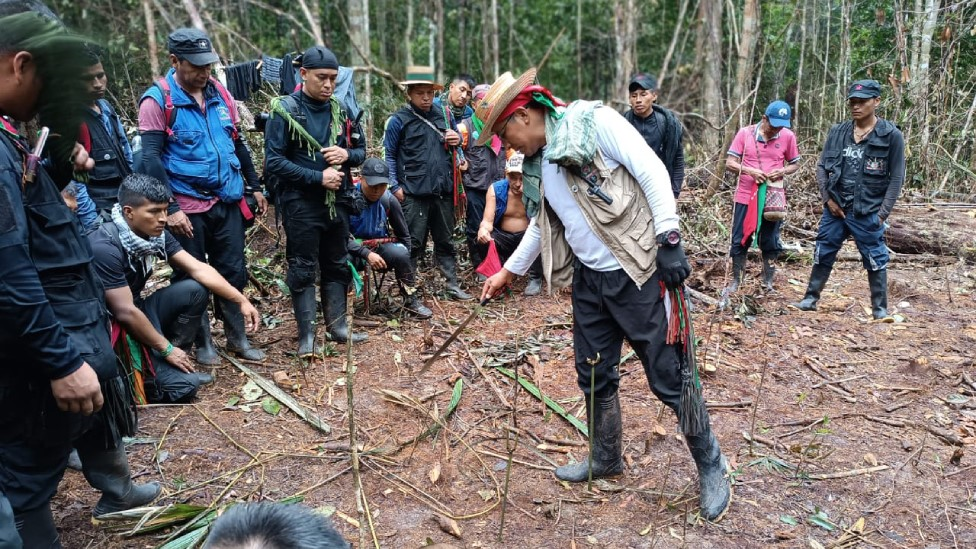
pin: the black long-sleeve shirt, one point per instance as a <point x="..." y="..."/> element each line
<point x="288" y="158"/>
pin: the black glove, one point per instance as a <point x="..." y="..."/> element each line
<point x="673" y="265"/>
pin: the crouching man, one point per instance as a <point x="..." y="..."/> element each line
<point x="166" y="321"/>
<point x="383" y="209"/>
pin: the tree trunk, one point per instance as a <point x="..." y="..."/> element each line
<point x="313" y="22"/>
<point x="439" y="23"/>
<point x="357" y="14"/>
<point x="463" y="34"/>
<point x="195" y="19"/>
<point x="493" y="51"/>
<point x="920" y="87"/>
<point x="797" y="110"/>
<point x="151" y="34"/>
<point x="408" y="35"/>
<point x="710" y="16"/>
<point x="746" y="57"/>
<point x="625" y="38"/>
<point x="679" y="26"/>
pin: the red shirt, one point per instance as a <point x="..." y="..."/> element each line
<point x="753" y="151"/>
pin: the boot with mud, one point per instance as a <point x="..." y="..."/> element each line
<point x="413" y="305"/>
<point x="606" y="425"/>
<point x="878" y="282"/>
<point x="818" y="279"/>
<point x="335" y="314"/>
<point x="206" y="352"/>
<point x="768" y="272"/>
<point x="713" y="475"/>
<point x="108" y="472"/>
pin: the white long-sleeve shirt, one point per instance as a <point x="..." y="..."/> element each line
<point x="621" y="145"/>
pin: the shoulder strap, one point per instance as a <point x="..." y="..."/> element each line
<point x="168" y="109"/>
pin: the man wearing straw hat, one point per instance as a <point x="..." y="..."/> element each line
<point x="420" y="143"/>
<point x="604" y="221"/>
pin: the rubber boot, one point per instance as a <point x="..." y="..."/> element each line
<point x="305" y="306"/>
<point x="738" y="271"/>
<point x="335" y="314"/>
<point x="206" y="352"/>
<point x="818" y="279"/>
<point x="74" y="462"/>
<point x="36" y="528"/>
<point x="237" y="342"/>
<point x="534" y="287"/>
<point x="713" y="475"/>
<point x="768" y="272"/>
<point x="606" y="439"/>
<point x="448" y="267"/>
<point x="878" y="281"/>
<point x="413" y="305"/>
<point x="108" y="472"/>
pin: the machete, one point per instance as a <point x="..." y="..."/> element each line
<point x="454" y="335"/>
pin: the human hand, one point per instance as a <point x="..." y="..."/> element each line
<point x="376" y="261"/>
<point x="180" y="360"/>
<point x="335" y="155"/>
<point x="179" y="224"/>
<point x="452" y="138"/>
<point x="252" y="318"/>
<point x="78" y="392"/>
<point x="398" y="194"/>
<point x="464" y="166"/>
<point x="776" y="175"/>
<point x="496" y="283"/>
<point x="835" y="209"/>
<point x="262" y="203"/>
<point x="80" y="160"/>
<point x="484" y="235"/>
<point x="331" y="179"/>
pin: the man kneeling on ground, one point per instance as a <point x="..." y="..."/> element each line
<point x="166" y="321"/>
<point x="505" y="221"/>
<point x="371" y="224"/>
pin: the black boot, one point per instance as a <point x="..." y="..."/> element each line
<point x="304" y="302"/>
<point x="36" y="528"/>
<point x="768" y="272"/>
<point x="448" y="267"/>
<point x="878" y="281"/>
<point x="206" y="353"/>
<point x="534" y="287"/>
<point x="713" y="479"/>
<point x="818" y="279"/>
<point x="335" y="314"/>
<point x="606" y="426"/>
<point x="738" y="271"/>
<point x="237" y="342"/>
<point x="413" y="305"/>
<point x="108" y="472"/>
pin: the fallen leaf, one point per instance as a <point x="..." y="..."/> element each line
<point x="448" y="525"/>
<point x="956" y="458"/>
<point x="232" y="401"/>
<point x="251" y="392"/>
<point x="870" y="459"/>
<point x="435" y="473"/>
<point x="271" y="406"/>
<point x="486" y="495"/>
<point x="787" y="519"/>
<point x="659" y="430"/>
<point x="396" y="338"/>
<point x="281" y="377"/>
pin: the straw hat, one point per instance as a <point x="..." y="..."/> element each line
<point x="418" y="74"/>
<point x="502" y="92"/>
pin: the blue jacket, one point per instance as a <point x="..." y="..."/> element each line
<point x="501" y="199"/>
<point x="199" y="155"/>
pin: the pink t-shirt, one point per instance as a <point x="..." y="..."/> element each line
<point x="755" y="152"/>
<point x="152" y="119"/>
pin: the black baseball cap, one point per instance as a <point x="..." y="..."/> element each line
<point x="644" y="81"/>
<point x="193" y="45"/>
<point x="375" y="172"/>
<point x="864" y="89"/>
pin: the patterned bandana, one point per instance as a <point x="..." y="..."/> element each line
<point x="138" y="249"/>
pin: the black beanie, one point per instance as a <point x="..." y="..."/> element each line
<point x="319" y="57"/>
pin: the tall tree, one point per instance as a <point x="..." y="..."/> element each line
<point x="625" y="41"/>
<point x="710" y="18"/>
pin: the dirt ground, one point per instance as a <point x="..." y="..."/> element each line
<point x="862" y="432"/>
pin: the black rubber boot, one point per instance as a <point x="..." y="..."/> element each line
<point x="237" y="342"/>
<point x="878" y="281"/>
<point x="448" y="267"/>
<point x="607" y="443"/>
<point x="108" y="472"/>
<point x="37" y="530"/>
<point x="818" y="279"/>
<point x="206" y="352"/>
<point x="713" y="475"/>
<point x="305" y="306"/>
<point x="335" y="314"/>
<point x="738" y="271"/>
<point x="768" y="272"/>
<point x="413" y="305"/>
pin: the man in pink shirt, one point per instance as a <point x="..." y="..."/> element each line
<point x="760" y="153"/>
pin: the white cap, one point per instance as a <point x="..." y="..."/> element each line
<point x="514" y="163"/>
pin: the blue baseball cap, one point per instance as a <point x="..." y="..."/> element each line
<point x="779" y="114"/>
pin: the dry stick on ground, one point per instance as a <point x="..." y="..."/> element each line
<point x="762" y="378"/>
<point x="162" y="439"/>
<point x="362" y="506"/>
<point x="510" y="445"/>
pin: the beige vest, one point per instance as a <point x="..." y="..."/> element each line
<point x="626" y="226"/>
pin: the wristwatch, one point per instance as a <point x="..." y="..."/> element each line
<point x="670" y="239"/>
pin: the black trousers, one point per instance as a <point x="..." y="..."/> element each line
<point x="607" y="308"/>
<point x="314" y="239"/>
<point x="218" y="239"/>
<point x="769" y="241"/>
<point x="397" y="258"/>
<point x="475" y="211"/>
<point x="434" y="214"/>
<point x="506" y="243"/>
<point x="175" y="312"/>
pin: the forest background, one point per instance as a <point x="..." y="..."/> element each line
<point x="718" y="62"/>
